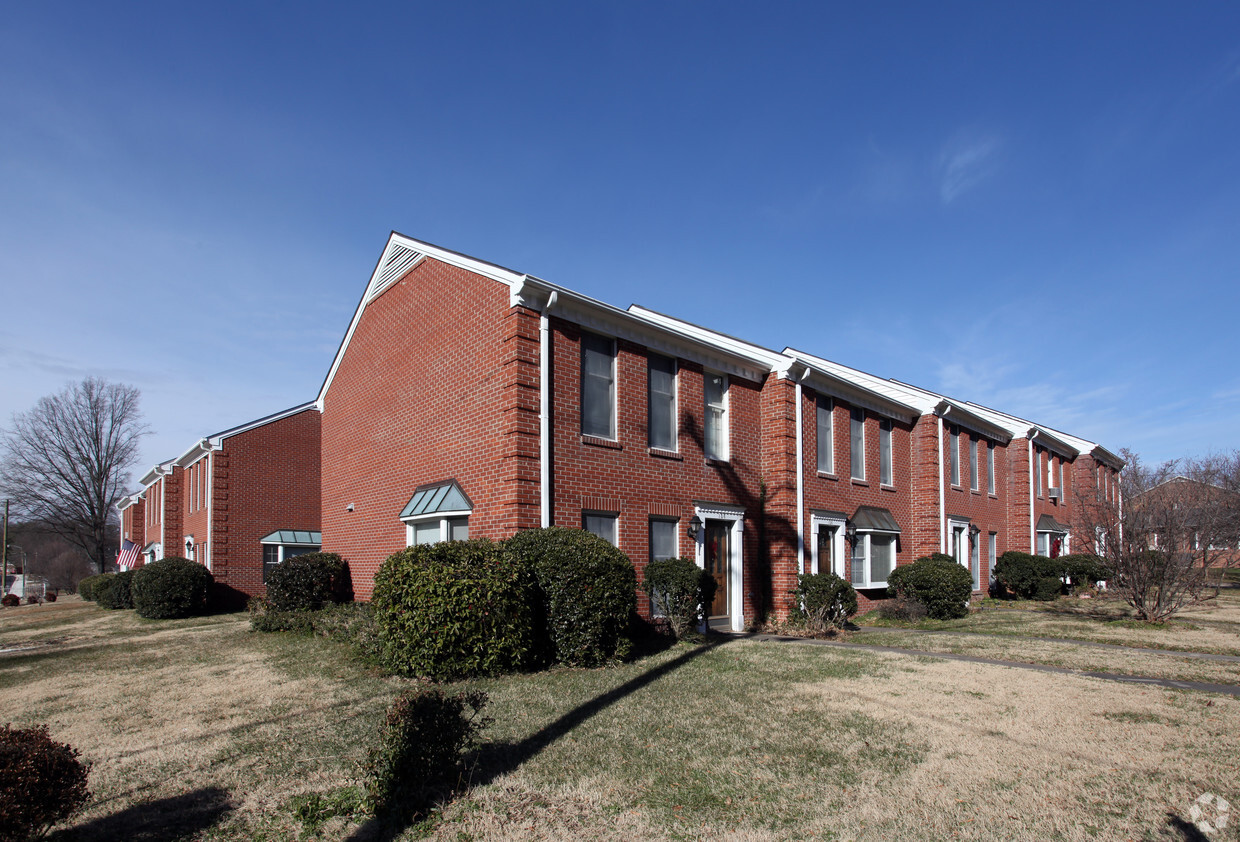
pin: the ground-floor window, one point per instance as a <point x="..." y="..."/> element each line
<point x="284" y="544"/>
<point x="437" y="512"/>
<point x="873" y="559"/>
<point x="602" y="524"/>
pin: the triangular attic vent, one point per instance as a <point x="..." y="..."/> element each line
<point x="398" y="261"/>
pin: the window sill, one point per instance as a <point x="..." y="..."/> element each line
<point x="595" y="441"/>
<point x="665" y="454"/>
<point x="993" y="496"/>
<point x="860" y="482"/>
<point x="975" y="492"/>
<point x="711" y="460"/>
<point x="826" y="475"/>
<point x="890" y="488"/>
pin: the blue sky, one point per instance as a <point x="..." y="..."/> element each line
<point x="1035" y="207"/>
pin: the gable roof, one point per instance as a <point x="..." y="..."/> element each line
<point x="445" y="497"/>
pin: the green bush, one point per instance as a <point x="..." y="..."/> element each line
<point x="117" y="592"/>
<point x="938" y="582"/>
<point x="1030" y="576"/>
<point x="308" y="582"/>
<point x="1047" y="589"/>
<point x="589" y="592"/>
<point x="421" y="743"/>
<point x="352" y="623"/>
<point x="10" y="600"/>
<point x="1085" y="570"/>
<point x="88" y="586"/>
<point x="42" y="782"/>
<point x="171" y="588"/>
<point x="825" y="600"/>
<point x="680" y="591"/>
<point x="1019" y="573"/>
<point x="456" y="609"/>
<point x="265" y="618"/>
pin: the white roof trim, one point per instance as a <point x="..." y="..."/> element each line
<point x="156" y="473"/>
<point x="860" y="389"/>
<point x="216" y="440"/>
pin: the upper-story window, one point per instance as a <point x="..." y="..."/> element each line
<point x="715" y="393"/>
<point x="856" y="436"/>
<point x="990" y="467"/>
<point x="1037" y="466"/>
<point x="598" y="386"/>
<point x="884" y="452"/>
<point x="826" y="437"/>
<point x="954" y="455"/>
<point x="661" y="401"/>
<point x="974" y="467"/>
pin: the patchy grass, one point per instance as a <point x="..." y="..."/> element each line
<point x="203" y="730"/>
<point x="1212" y="627"/>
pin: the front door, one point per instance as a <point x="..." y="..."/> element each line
<point x="717" y="555"/>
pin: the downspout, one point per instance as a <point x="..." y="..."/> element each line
<point x="1033" y="527"/>
<point x="209" y="464"/>
<point x="942" y="493"/>
<point x="800" y="477"/>
<point x="544" y="411"/>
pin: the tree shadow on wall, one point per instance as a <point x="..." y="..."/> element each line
<point x="176" y="817"/>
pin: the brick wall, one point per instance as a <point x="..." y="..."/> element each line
<point x="133" y="523"/>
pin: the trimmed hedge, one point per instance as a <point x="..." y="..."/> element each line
<point x="825" y="600"/>
<point x="116" y="593"/>
<point x="456" y="609"/>
<point x="88" y="586"/>
<point x="171" y="588"/>
<point x="308" y="582"/>
<point x="589" y="592"/>
<point x="1038" y="577"/>
<point x="42" y="782"/>
<point x="936" y="581"/>
<point x="680" y="591"/>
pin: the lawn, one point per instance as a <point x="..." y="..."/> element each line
<point x="202" y="729"/>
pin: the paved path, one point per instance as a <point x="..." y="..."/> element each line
<point x="1169" y="684"/>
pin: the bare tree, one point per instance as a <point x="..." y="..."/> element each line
<point x="1176" y="530"/>
<point x="66" y="462"/>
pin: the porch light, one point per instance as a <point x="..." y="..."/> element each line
<point x="695" y="527"/>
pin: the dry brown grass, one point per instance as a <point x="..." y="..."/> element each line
<point x="747" y="741"/>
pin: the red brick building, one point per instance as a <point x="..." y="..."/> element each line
<point x="238" y="501"/>
<point x="469" y="400"/>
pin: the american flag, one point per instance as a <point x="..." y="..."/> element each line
<point x="128" y="556"/>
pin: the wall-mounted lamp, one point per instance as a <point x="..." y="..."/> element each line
<point x="349" y="508"/>
<point x="850" y="532"/>
<point x="974" y="531"/>
<point x="695" y="527"/>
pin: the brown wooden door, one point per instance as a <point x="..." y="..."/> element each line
<point x="717" y="563"/>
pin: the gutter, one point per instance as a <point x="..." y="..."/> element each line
<point x="544" y="410"/>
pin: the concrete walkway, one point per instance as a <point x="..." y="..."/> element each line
<point x="1169" y="684"/>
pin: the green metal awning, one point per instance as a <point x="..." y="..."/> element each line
<point x="874" y="519"/>
<point x="1046" y="523"/>
<point x="441" y="497"/>
<point x="150" y="548"/>
<point x="294" y="538"/>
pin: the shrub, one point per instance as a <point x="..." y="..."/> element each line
<point x="33" y="599"/>
<point x="680" y="591"/>
<point x="1018" y="572"/>
<point x="826" y="600"/>
<point x="265" y="618"/>
<point x="903" y="609"/>
<point x="1083" y="569"/>
<point x="88" y="586"/>
<point x="50" y="596"/>
<point x="308" y="582"/>
<point x="938" y="582"/>
<point x="10" y="600"/>
<point x="41" y="782"/>
<point x="117" y="592"/>
<point x="1047" y="589"/>
<point x="352" y="623"/>
<point x="171" y="588"/>
<point x="455" y="609"/>
<point x="421" y="743"/>
<point x="589" y="591"/>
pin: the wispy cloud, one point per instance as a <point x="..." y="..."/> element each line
<point x="965" y="162"/>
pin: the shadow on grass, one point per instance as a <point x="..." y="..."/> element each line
<point x="1186" y="830"/>
<point x="177" y="817"/>
<point x="496" y="759"/>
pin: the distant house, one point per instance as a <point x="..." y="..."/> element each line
<point x="237" y="501"/>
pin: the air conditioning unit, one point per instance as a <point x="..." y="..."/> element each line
<point x="1055" y="493"/>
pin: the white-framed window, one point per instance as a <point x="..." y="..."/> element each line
<point x="663" y="538"/>
<point x="884" y="452"/>
<point x="661" y="401"/>
<point x="1037" y="462"/>
<point x="1062" y="490"/>
<point x="974" y="467"/>
<point x="958" y="541"/>
<point x="715" y="395"/>
<point x="602" y="524"/>
<point x="284" y="544"/>
<point x="873" y="559"/>
<point x="954" y="455"/>
<point x="437" y="512"/>
<point x="990" y="467"/>
<point x="828" y="554"/>
<point x="826" y="435"/>
<point x="975" y="561"/>
<point x="856" y="437"/>
<point x="598" y="386"/>
<point x="992" y="552"/>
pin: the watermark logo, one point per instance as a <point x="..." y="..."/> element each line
<point x="1209" y="812"/>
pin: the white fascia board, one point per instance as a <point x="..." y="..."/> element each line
<point x="398" y="244"/>
<point x="662" y="335"/>
<point x="864" y="390"/>
<point x="1062" y="443"/>
<point x="156" y="473"/>
<point x="1041" y="437"/>
<point x="216" y="440"/>
<point x="954" y="413"/>
<point x="766" y="358"/>
<point x="1106" y="457"/>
